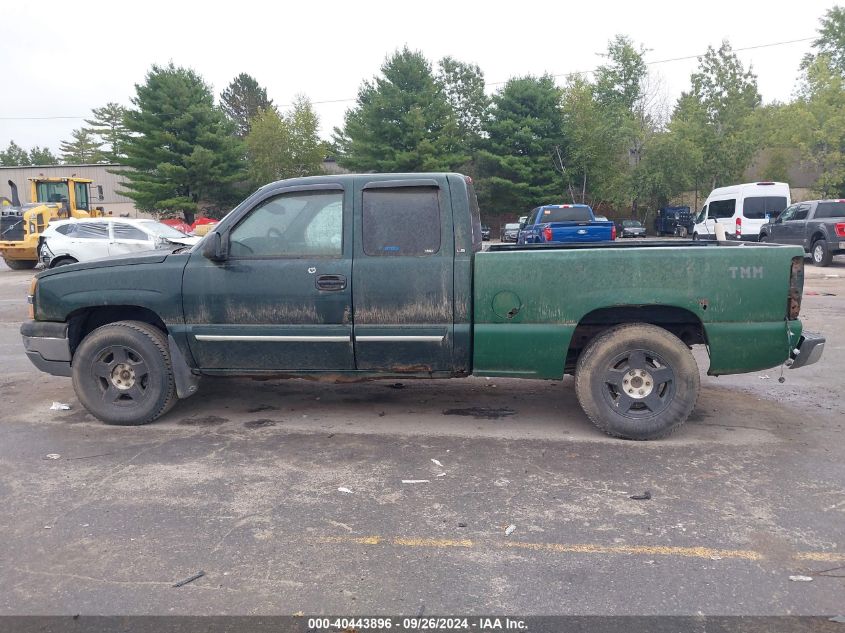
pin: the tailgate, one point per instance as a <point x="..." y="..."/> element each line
<point x="579" y="231"/>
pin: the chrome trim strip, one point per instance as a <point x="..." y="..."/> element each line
<point x="398" y="338"/>
<point x="273" y="339"/>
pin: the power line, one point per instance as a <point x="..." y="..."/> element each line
<point x="492" y="83"/>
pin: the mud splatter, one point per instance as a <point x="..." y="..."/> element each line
<point x="208" y="420"/>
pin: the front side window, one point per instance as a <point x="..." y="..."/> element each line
<point x="128" y="232"/>
<point x="722" y="209"/>
<point x="401" y="221"/>
<point x="80" y="190"/>
<point x="801" y="213"/>
<point x="92" y="231"/>
<point x="702" y="215"/>
<point x="789" y="214"/>
<point x="299" y="224"/>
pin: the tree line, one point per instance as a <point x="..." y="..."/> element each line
<point x="608" y="138"/>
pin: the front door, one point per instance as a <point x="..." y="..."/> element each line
<point x="282" y="300"/>
<point x="403" y="275"/>
<point x="794" y="226"/>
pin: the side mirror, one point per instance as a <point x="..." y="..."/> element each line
<point x="213" y="247"/>
<point x="522" y="225"/>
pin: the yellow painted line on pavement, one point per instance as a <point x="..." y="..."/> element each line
<point x="707" y="553"/>
<point x="432" y="542"/>
<point x="647" y="550"/>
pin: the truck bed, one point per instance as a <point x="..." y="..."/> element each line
<point x="618" y="244"/>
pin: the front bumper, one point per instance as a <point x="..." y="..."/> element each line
<point x="808" y="351"/>
<point x="47" y="346"/>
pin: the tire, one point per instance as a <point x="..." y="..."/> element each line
<point x="763" y="238"/>
<point x="145" y="392"/>
<point x="820" y="253"/>
<point x="605" y="365"/>
<point x="63" y="261"/>
<point x="695" y="237"/>
<point x="20" y="264"/>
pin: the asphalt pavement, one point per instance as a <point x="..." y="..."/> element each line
<point x="294" y="496"/>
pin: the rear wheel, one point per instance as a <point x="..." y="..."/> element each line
<point x="821" y="253"/>
<point x="637" y="381"/>
<point x="122" y="373"/>
<point x="20" y="264"/>
<point x="695" y="237"/>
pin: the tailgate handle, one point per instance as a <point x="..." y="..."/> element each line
<point x="331" y="282"/>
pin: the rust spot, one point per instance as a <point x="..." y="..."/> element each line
<point x="704" y="303"/>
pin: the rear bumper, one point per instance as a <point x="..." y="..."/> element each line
<point x="47" y="346"/>
<point x="808" y="351"/>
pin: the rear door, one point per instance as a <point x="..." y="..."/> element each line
<point x="89" y="240"/>
<point x="403" y="275"/>
<point x="128" y="238"/>
<point x="757" y="210"/>
<point x="282" y="299"/>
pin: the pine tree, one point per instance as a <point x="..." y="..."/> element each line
<point x="401" y="122"/>
<point x="14" y="155"/>
<point x="517" y="161"/>
<point x="42" y="156"/>
<point x="181" y="150"/>
<point x="109" y="128"/>
<point x="242" y="100"/>
<point x="83" y="149"/>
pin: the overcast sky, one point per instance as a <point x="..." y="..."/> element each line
<point x="61" y="60"/>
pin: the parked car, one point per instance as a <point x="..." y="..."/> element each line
<point x="631" y="228"/>
<point x="561" y="223"/>
<point x="816" y="225"/>
<point x="70" y="241"/>
<point x="741" y="209"/>
<point x="510" y="232"/>
<point x="272" y="289"/>
<point x="485" y="233"/>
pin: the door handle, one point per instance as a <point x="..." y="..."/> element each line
<point x="331" y="282"/>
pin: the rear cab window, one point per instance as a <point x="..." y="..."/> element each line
<point x="834" y="209"/>
<point x="564" y="214"/>
<point x="401" y="221"/>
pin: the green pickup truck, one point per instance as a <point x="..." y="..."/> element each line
<point x="352" y="277"/>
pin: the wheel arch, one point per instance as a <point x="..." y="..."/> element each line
<point x="85" y="320"/>
<point x="681" y="322"/>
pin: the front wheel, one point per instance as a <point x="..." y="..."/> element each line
<point x="821" y="253"/>
<point x="20" y="264"/>
<point x="763" y="238"/>
<point x="637" y="381"/>
<point x="122" y="373"/>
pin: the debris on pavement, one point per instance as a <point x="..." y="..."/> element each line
<point x="196" y="576"/>
<point x="642" y="497"/>
<point x="397" y="385"/>
<point x="801" y="578"/>
<point x="462" y="524"/>
<point x="436" y="462"/>
<point x="764" y="377"/>
<point x="416" y="481"/>
<point x="441" y="474"/>
<point x="52" y="456"/>
<point x="715" y="557"/>
<point x="59" y="406"/>
<point x="510" y="529"/>
<point x="346" y="490"/>
<point x="839" y="619"/>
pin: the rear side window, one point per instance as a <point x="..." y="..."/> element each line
<point x="722" y="209"/>
<point x="66" y="229"/>
<point x="92" y="231"/>
<point x="830" y="210"/>
<point x="571" y="214"/>
<point x="760" y="207"/>
<point x="128" y="232"/>
<point x="401" y="221"/>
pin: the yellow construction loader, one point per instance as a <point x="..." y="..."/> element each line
<point x="22" y="224"/>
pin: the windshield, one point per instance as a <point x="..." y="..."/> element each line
<point x="162" y="230"/>
<point x="631" y="223"/>
<point x="46" y="191"/>
<point x="565" y="214"/>
<point x="509" y="227"/>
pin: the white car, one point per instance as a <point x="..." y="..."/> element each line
<point x="70" y="241"/>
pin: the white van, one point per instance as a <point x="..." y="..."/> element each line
<point x="741" y="209"/>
